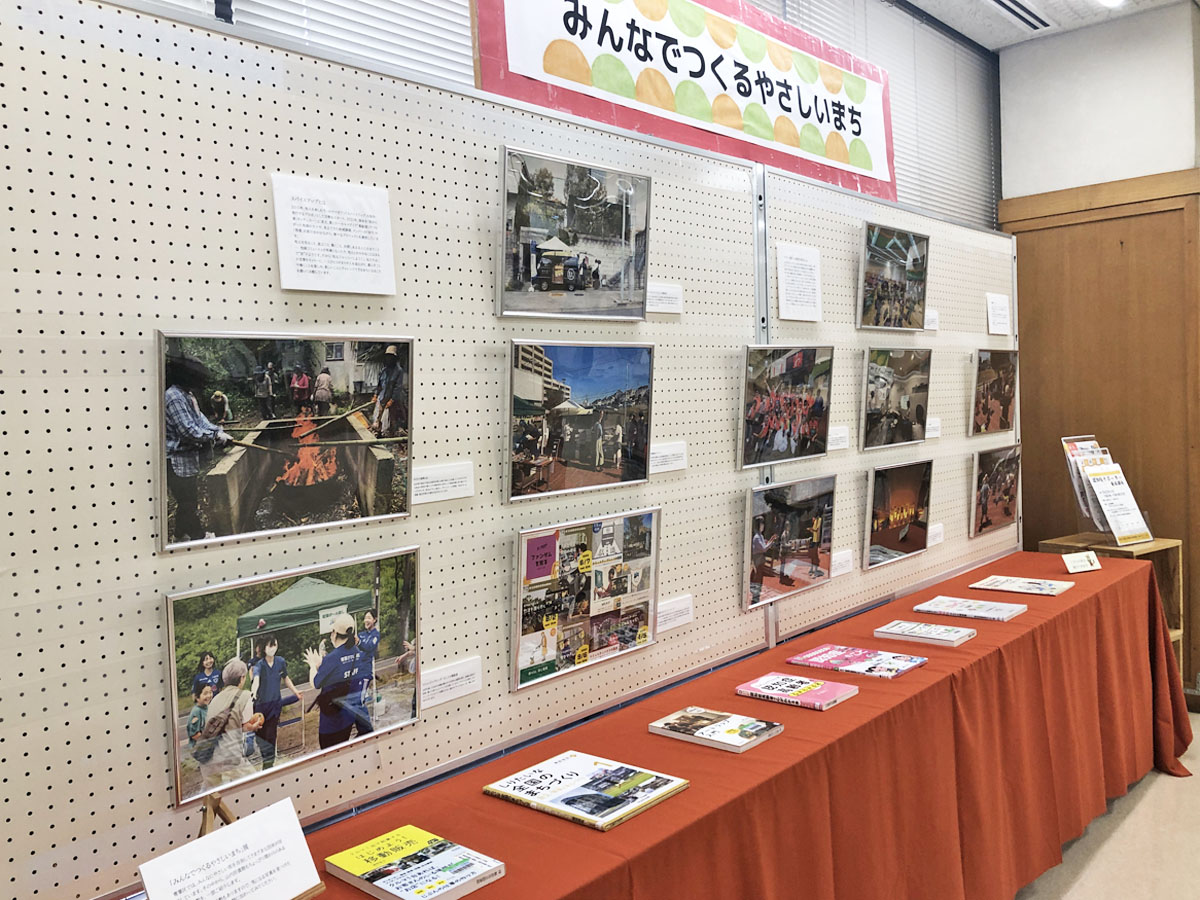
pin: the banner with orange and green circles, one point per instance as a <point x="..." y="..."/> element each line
<point x="722" y="75"/>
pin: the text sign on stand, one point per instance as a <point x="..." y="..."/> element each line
<point x="1116" y="499"/>
<point x="263" y="855"/>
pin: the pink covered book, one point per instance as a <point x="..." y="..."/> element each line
<point x="879" y="663"/>
<point x="797" y="690"/>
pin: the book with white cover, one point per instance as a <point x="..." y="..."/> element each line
<point x="971" y="609"/>
<point x="1044" y="587"/>
<point x="925" y="632"/>
<point x="722" y="730"/>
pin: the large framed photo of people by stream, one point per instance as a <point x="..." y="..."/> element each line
<point x="574" y="239"/>
<point x="789" y="536"/>
<point x="268" y="433"/>
<point x="579" y="416"/>
<point x="584" y="592"/>
<point x="271" y="671"/>
<point x="785" y="407"/>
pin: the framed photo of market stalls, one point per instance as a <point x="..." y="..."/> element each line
<point x="271" y="671"/>
<point x="268" y="433"/>
<point x="584" y="592"/>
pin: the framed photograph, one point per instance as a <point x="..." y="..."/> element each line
<point x="996" y="480"/>
<point x="785" y="408"/>
<point x="579" y="416"/>
<point x="586" y="591"/>
<point x="269" y="672"/>
<point x="268" y="433"/>
<point x="575" y="239"/>
<point x="898" y="508"/>
<point x="789" y="531"/>
<point x="895" y="397"/>
<point x="995" y="394"/>
<point x="891" y="278"/>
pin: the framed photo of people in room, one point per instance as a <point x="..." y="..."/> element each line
<point x="271" y="671"/>
<point x="895" y="397"/>
<point x="994" y="400"/>
<point x="268" y="433"/>
<point x="785" y="406"/>
<point x="996" y="486"/>
<point x="891" y="278"/>
<point x="573" y="242"/>
<point x="579" y="416"/>
<point x="584" y="592"/>
<point x="789" y="534"/>
<point x="897" y="512"/>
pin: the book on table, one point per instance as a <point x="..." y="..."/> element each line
<point x="413" y="864"/>
<point x="925" y="633"/>
<point x="796" y="690"/>
<point x="1045" y="587"/>
<point x="971" y="609"/>
<point x="586" y="789"/>
<point x="712" y="728"/>
<point x="877" y="663"/>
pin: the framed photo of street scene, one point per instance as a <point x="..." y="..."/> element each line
<point x="996" y="479"/>
<point x="585" y="592"/>
<point x="994" y="399"/>
<point x="785" y="409"/>
<point x="271" y="671"/>
<point x="579" y="416"/>
<point x="574" y="239"/>
<point x="898" y="512"/>
<point x="895" y="397"/>
<point x="789" y="534"/>
<point x="891" y="278"/>
<point x="268" y="433"/>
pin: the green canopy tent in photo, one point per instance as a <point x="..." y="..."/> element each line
<point x="301" y="604"/>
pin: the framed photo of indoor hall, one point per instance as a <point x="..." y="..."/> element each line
<point x="268" y="433"/>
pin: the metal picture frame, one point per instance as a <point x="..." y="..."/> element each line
<point x="278" y="613"/>
<point x="232" y="509"/>
<point x="925" y="484"/>
<point x="864" y="423"/>
<point x="785" y="351"/>
<point x="982" y="461"/>
<point x="973" y="401"/>
<point x="866" y="248"/>
<point x="827" y="485"/>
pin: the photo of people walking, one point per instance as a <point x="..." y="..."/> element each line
<point x="785" y="411"/>
<point x="893" y="279"/>
<point x="997" y="476"/>
<point x="995" y="391"/>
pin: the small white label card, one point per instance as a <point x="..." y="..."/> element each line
<point x="668" y="457"/>
<point x="798" y="271"/>
<point x="1081" y="562"/>
<point x="333" y="236"/>
<point x="443" y="481"/>
<point x="933" y="427"/>
<point x="664" y="298"/>
<point x="999" y="315"/>
<point x="262" y="855"/>
<point x="937" y="534"/>
<point x="674" y="612"/>
<point x="838" y="438"/>
<point x="451" y="681"/>
<point x="840" y="563"/>
<point x="1116" y="499"/>
<point x="931" y="320"/>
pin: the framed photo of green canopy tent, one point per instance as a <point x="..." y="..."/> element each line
<point x="271" y="671"/>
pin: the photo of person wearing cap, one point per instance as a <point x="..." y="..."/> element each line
<point x="339" y="675"/>
<point x="391" y="403"/>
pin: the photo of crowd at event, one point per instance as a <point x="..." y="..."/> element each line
<point x="574" y="239"/>
<point x="899" y="511"/>
<point x="997" y="473"/>
<point x="785" y="411"/>
<point x="269" y="433"/>
<point x="586" y="592"/>
<point x="580" y="416"/>
<point x="893" y="279"/>
<point x="897" y="397"/>
<point x="280" y="670"/>
<point x="995" y="391"/>
<point x="790" y="530"/>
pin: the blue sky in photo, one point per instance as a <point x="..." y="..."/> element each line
<point x="594" y="372"/>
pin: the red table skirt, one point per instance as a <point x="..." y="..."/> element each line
<point x="961" y="779"/>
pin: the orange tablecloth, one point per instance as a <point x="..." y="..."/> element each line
<point x="961" y="779"/>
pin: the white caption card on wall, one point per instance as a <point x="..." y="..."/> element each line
<point x="333" y="236"/>
<point x="451" y="681"/>
<point x="443" y="481"/>
<point x="841" y="563"/>
<point x="933" y="427"/>
<point x="839" y="438"/>
<point x="798" y="271"/>
<point x="668" y="457"/>
<point x="999" y="319"/>
<point x="674" y="612"/>
<point x="664" y="298"/>
<point x="262" y="855"/>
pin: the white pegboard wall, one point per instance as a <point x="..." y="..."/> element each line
<point x="137" y="158"/>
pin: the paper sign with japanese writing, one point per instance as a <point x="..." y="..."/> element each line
<point x="736" y="79"/>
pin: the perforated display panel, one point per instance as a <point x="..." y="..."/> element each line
<point x="137" y="159"/>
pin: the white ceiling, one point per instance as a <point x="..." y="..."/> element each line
<point x="984" y="22"/>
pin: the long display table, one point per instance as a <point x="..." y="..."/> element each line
<point x="961" y="779"/>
